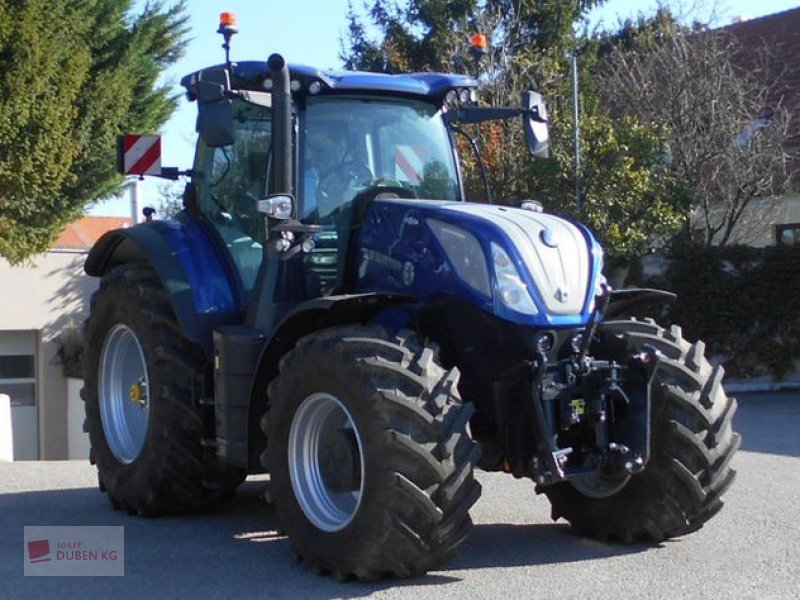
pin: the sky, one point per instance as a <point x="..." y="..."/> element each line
<point x="309" y="32"/>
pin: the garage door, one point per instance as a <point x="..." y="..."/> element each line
<point x="18" y="380"/>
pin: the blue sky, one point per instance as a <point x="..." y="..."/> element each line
<point x="309" y="32"/>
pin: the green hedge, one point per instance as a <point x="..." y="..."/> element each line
<point x="743" y="302"/>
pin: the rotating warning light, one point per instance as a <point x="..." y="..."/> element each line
<point x="478" y="42"/>
<point x="227" y="22"/>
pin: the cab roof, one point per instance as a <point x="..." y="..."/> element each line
<point x="251" y="75"/>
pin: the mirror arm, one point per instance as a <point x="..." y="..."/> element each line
<point x="480" y="114"/>
<point x="481" y="166"/>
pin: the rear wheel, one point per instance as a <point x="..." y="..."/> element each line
<point x="692" y="445"/>
<point x="369" y="454"/>
<point x="144" y="427"/>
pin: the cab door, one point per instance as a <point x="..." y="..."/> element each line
<point x="229" y="181"/>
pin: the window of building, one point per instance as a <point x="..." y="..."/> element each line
<point x="18" y="379"/>
<point x="788" y="234"/>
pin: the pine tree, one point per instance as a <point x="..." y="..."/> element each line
<point x="73" y="76"/>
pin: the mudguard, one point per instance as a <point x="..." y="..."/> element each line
<point x="181" y="252"/>
<point x="629" y="302"/>
<point x="391" y="310"/>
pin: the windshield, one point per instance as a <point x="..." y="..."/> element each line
<point x="352" y="144"/>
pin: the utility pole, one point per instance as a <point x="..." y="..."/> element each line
<point x="135" y="201"/>
<point x="577" y="131"/>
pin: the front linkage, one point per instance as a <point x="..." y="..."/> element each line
<point x="591" y="416"/>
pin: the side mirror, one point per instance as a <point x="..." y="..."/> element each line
<point x="534" y="121"/>
<point x="215" y="110"/>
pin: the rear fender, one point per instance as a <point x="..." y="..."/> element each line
<point x="199" y="285"/>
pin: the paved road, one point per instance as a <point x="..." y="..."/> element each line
<point x="749" y="551"/>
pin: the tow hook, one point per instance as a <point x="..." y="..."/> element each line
<point x="618" y="457"/>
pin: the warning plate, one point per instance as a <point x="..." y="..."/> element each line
<point x="139" y="154"/>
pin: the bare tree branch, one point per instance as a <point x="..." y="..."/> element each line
<point x="728" y="141"/>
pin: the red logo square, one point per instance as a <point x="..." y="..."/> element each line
<point x="39" y="551"/>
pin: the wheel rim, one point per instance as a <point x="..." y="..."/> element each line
<point x="326" y="462"/>
<point x="598" y="485"/>
<point x="124" y="394"/>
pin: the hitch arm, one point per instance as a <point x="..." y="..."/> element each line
<point x="547" y="462"/>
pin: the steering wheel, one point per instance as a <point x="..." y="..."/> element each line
<point x="377" y="189"/>
<point x="333" y="182"/>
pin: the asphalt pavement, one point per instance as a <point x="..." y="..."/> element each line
<point x="750" y="550"/>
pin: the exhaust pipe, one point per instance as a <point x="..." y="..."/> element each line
<point x="281" y="126"/>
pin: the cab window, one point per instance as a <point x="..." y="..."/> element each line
<point x="230" y="180"/>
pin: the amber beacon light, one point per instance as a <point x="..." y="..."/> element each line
<point x="478" y="43"/>
<point x="227" y="22"/>
<point x="227" y="27"/>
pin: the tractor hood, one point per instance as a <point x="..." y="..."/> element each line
<point x="524" y="266"/>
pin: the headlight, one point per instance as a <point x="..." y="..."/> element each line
<point x="464" y="253"/>
<point x="513" y="291"/>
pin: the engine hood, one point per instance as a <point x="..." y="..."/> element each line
<point x="553" y="251"/>
<point x="426" y="247"/>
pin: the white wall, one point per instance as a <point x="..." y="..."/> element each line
<point x="77" y="439"/>
<point x="757" y="225"/>
<point x="44" y="295"/>
<point x="6" y="433"/>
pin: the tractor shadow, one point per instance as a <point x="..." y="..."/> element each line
<point x="238" y="550"/>
<point x="503" y="545"/>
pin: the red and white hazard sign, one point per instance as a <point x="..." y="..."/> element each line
<point x="409" y="163"/>
<point x="140" y="154"/>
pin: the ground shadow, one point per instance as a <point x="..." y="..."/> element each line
<point x="499" y="545"/>
<point x="238" y="551"/>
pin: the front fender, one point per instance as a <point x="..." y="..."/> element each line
<point x="192" y="273"/>
<point x="632" y="301"/>
<point x="310" y="316"/>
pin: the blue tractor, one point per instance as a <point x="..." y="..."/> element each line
<point x="329" y="308"/>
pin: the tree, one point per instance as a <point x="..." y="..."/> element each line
<point x="727" y="143"/>
<point x="625" y="198"/>
<point x="73" y="75"/>
<point x="170" y="199"/>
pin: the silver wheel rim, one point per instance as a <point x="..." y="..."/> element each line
<point x="596" y="485"/>
<point x="326" y="462"/>
<point x="124" y="391"/>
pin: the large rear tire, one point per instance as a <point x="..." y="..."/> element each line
<point x="369" y="454"/>
<point x="143" y="424"/>
<point x="692" y="445"/>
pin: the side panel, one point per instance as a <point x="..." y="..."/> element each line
<point x="184" y="257"/>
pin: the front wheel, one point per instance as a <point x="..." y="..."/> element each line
<point x="692" y="445"/>
<point x="369" y="454"/>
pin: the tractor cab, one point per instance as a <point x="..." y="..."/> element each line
<point x="350" y="133"/>
<point x="290" y="157"/>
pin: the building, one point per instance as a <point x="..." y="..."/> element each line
<point x="774" y="220"/>
<point x="39" y="300"/>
